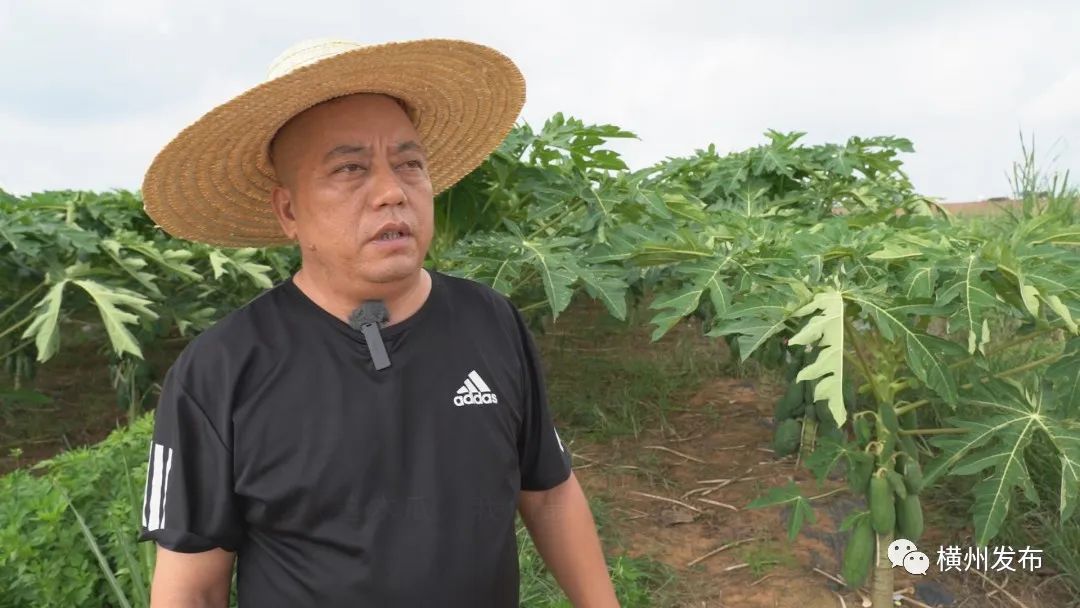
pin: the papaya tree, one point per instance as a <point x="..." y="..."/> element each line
<point x="857" y="301"/>
<point x="890" y="315"/>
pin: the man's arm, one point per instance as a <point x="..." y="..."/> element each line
<point x="192" y="580"/>
<point x="562" y="528"/>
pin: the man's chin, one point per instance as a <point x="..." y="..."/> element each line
<point x="391" y="271"/>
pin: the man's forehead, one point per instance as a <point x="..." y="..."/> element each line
<point x="364" y="148"/>
<point x="353" y="120"/>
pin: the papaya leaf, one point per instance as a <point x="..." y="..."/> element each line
<point x="1067" y="442"/>
<point x="1002" y="422"/>
<point x="606" y="287"/>
<point x="173" y="260"/>
<point x="976" y="300"/>
<point x="45" y="326"/>
<point x="109" y="302"/>
<point x="506" y="275"/>
<point x="827" y="453"/>
<point x="1064" y="374"/>
<point x="755" y="327"/>
<point x="1030" y="295"/>
<point x="218" y="260"/>
<point x="926" y="355"/>
<point x="827" y="330"/>
<point x="895" y="251"/>
<point x="919" y="282"/>
<point x="705" y="276"/>
<point x="801" y="511"/>
<point x="1059" y="307"/>
<point x="1068" y="236"/>
<point x="556" y="272"/>
<point x="241" y="260"/>
<point x="133" y="266"/>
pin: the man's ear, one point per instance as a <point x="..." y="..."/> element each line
<point x="281" y="201"/>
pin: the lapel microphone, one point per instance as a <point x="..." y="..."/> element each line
<point x="367" y="319"/>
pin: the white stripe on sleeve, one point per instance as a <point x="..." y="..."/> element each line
<point x="149" y="477"/>
<point x="155" y="491"/>
<point x="165" y="492"/>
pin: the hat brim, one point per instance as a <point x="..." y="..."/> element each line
<point x="212" y="182"/>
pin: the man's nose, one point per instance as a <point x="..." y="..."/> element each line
<point x="386" y="187"/>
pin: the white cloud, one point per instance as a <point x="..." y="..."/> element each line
<point x="94" y="93"/>
<point x="1059" y="102"/>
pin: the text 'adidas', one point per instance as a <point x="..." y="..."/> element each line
<point x="474" y="391"/>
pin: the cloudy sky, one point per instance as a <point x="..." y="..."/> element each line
<point x="93" y="89"/>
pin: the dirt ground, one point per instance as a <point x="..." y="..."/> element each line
<point x="83" y="410"/>
<point x="712" y="456"/>
<point x="718" y="445"/>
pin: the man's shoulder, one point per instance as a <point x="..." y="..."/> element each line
<point x="470" y="294"/>
<point x="225" y="349"/>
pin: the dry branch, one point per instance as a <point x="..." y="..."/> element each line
<point x="722" y="548"/>
<point x="719" y="504"/>
<point x="671" y="500"/>
<point x="1012" y="597"/>
<point x="912" y="601"/>
<point x="667" y="449"/>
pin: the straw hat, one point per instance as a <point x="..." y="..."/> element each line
<point x="212" y="182"/>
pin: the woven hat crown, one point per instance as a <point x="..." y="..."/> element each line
<point x="212" y="183"/>
<point x="307" y="52"/>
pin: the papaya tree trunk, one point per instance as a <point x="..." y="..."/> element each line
<point x="808" y="437"/>
<point x="881" y="591"/>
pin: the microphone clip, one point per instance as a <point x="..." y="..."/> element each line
<point x="367" y="319"/>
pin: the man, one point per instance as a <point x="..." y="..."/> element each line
<point x="363" y="433"/>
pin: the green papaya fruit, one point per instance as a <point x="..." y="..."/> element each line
<point x="882" y="505"/>
<point x="860" y="468"/>
<point x="909" y="420"/>
<point x="862" y="430"/>
<point x="826" y="423"/>
<point x="913" y="477"/>
<point x="909" y="517"/>
<point x="795" y="365"/>
<point x="908" y="445"/>
<point x="823" y="414"/>
<point x="858" y="554"/>
<point x="897" y="483"/>
<point x="791" y="404"/>
<point x="786" y="437"/>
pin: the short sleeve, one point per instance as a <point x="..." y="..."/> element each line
<point x="544" y="458"/>
<point x="188" y="504"/>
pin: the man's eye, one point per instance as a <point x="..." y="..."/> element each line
<point x="349" y="168"/>
<point x="414" y="164"/>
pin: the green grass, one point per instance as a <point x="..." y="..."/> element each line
<point x="638" y="582"/>
<point x="606" y="381"/>
<point x="765" y="556"/>
<point x="1040" y="527"/>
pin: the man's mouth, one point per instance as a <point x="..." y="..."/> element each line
<point x="391" y="232"/>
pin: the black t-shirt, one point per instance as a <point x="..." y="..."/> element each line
<point x="339" y="485"/>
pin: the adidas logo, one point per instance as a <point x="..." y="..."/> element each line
<point x="474" y="392"/>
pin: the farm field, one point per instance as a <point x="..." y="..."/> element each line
<point x="761" y="394"/>
<point x="715" y="412"/>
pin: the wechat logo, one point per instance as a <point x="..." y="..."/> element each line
<point x="903" y="552"/>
